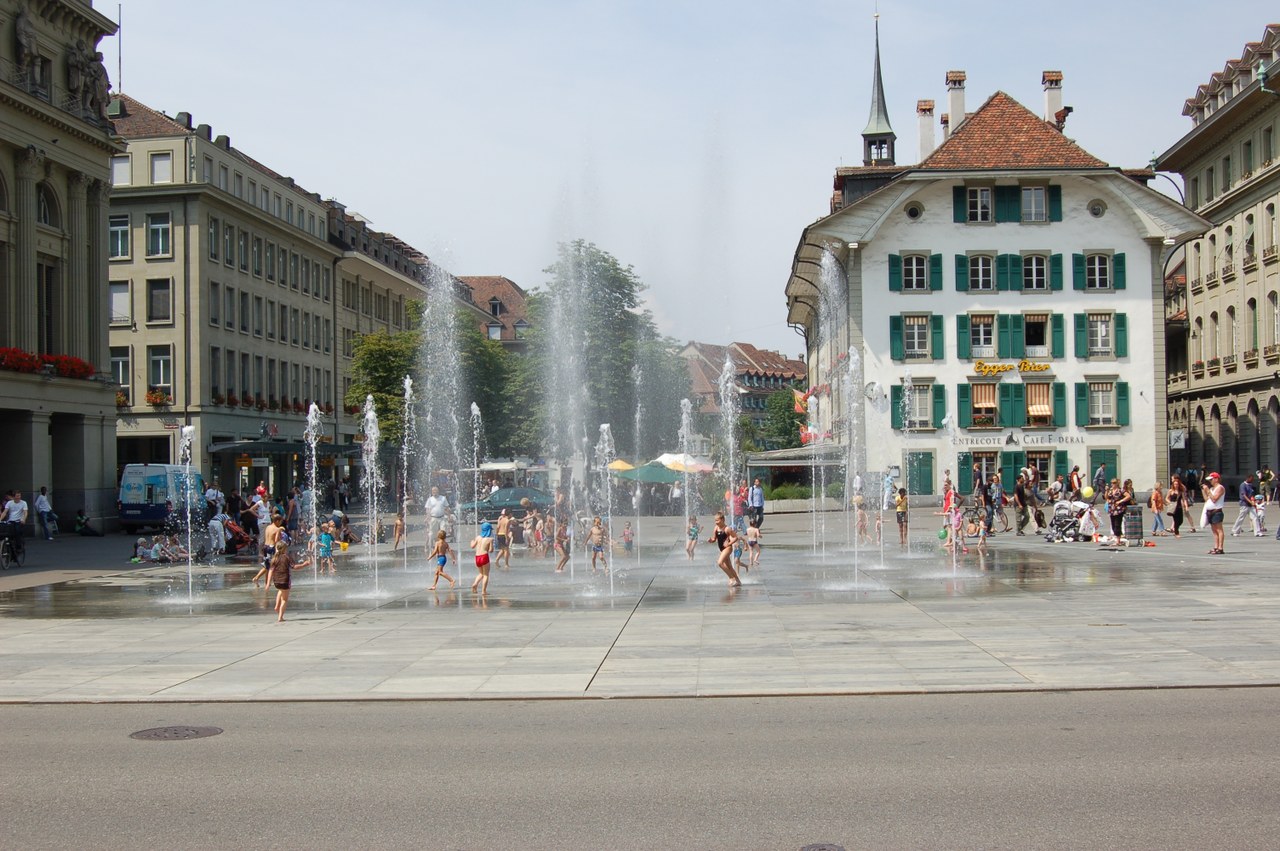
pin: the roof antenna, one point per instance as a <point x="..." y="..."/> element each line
<point x="119" y="47"/>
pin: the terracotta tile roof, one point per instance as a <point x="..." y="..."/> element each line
<point x="139" y="121"/>
<point x="1004" y="134"/>
<point x="514" y="299"/>
<point x="1180" y="316"/>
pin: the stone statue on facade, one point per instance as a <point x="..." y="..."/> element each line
<point x="25" y="34"/>
<point x="101" y="87"/>
<point x="78" y="70"/>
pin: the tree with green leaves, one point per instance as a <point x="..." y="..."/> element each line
<point x="782" y="423"/>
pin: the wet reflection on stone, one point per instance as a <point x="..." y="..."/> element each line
<point x="657" y="578"/>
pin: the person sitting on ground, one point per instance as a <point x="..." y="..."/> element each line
<point x="83" y="527"/>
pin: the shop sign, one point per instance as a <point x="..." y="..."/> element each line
<point x="244" y="462"/>
<point x="992" y="369"/>
<point x="261" y="462"/>
<point x="1012" y="439"/>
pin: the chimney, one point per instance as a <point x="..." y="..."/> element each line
<point x="183" y="118"/>
<point x="223" y="142"/>
<point x="924" y="109"/>
<point x="1052" y="82"/>
<point x="945" y="120"/>
<point x="955" y="97"/>
<point x="204" y="131"/>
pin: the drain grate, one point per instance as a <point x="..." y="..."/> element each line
<point x="823" y="846"/>
<point x="175" y="734"/>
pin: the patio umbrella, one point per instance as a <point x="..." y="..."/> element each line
<point x="683" y="462"/>
<point x="620" y="465"/>
<point x="652" y="472"/>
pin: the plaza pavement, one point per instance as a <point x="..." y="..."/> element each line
<point x="79" y="623"/>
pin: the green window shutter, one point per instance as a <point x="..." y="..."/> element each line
<point x="1082" y="403"/>
<point x="1002" y="273"/>
<point x="1061" y="465"/>
<point x="1055" y="203"/>
<point x="1059" y="405"/>
<point x="1055" y="272"/>
<point x="962" y="273"/>
<point x="1077" y="271"/>
<point x="964" y="475"/>
<point x="1011" y="464"/>
<point x="959" y="204"/>
<point x="1122" y="403"/>
<point x="1006" y="406"/>
<point x="1019" y="397"/>
<point x="1008" y="203"/>
<point x="895" y="273"/>
<point x="1082" y="335"/>
<point x="1003" y="345"/>
<point x="895" y="407"/>
<point x="962" y="337"/>
<point x="964" y="406"/>
<point x="897" y="346"/>
<point x="1117" y="271"/>
<point x="935" y="272"/>
<point x="1058" y="336"/>
<point x="1017" y="331"/>
<point x="936" y="350"/>
<point x="939" y="404"/>
<point x="1122" y="335"/>
<point x="1015" y="271"/>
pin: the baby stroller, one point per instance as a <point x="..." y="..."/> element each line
<point x="237" y="537"/>
<point x="1065" y="524"/>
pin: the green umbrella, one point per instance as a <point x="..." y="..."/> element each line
<point x="651" y="472"/>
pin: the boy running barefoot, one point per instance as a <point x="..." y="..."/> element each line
<point x="596" y="542"/>
<point x="483" y="545"/>
<point x="440" y="553"/>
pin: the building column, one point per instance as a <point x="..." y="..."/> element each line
<point x="75" y="330"/>
<point x="96" y="294"/>
<point x="22" y="307"/>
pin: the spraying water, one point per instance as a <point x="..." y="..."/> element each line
<point x="371" y="480"/>
<point x="311" y="435"/>
<point x="409" y="444"/>
<point x="638" y="374"/>
<point x="728" y="431"/>
<point x="853" y="463"/>
<point x="566" y="434"/>
<point x="185" y="438"/>
<point x="476" y="425"/>
<point x="686" y="436"/>
<point x="440" y="369"/>
<point x="604" y="457"/>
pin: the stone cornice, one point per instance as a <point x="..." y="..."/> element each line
<point x="63" y="122"/>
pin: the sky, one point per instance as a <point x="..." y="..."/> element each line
<point x="691" y="140"/>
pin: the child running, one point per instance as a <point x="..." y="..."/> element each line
<point x="725" y="538"/>
<point x="900" y="509"/>
<point x="628" y="539"/>
<point x="325" y="549"/>
<point x="562" y="546"/>
<point x="441" y="555"/>
<point x="596" y="542"/>
<point x="282" y="566"/>
<point x="483" y="545"/>
<point x="693" y="530"/>
<point x="753" y="544"/>
<point x="398" y="532"/>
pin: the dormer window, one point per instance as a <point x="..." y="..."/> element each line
<point x="495" y="330"/>
<point x="495" y="307"/>
<point x="522" y="328"/>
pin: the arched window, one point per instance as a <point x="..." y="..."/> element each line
<point x="1197" y="341"/>
<point x="1195" y="261"/>
<point x="1213" y="334"/>
<point x="1248" y="238"/>
<point x="1228" y="247"/>
<point x="1273" y="319"/>
<point x="47" y="207"/>
<point x="1270" y="223"/>
<point x="1213" y="254"/>
<point x="1251" y="323"/>
<point x="1233" y="338"/>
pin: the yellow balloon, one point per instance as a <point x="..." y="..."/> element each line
<point x="1086" y="492"/>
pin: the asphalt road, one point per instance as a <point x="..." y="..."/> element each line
<point x="1129" y="769"/>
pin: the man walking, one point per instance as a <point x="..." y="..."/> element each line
<point x="437" y="508"/>
<point x="1099" y="482"/>
<point x="1248" y="508"/>
<point x="1020" y="503"/>
<point x="755" y="503"/>
<point x="1075" y="483"/>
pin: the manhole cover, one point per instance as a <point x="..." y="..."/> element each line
<point x="175" y="734"/>
<point x="823" y="846"/>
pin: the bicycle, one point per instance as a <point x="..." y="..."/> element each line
<point x="977" y="515"/>
<point x="12" y="551"/>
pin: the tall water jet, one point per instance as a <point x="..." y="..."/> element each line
<point x="638" y="374"/>
<point x="371" y="480"/>
<point x="408" y="445"/>
<point x="477" y="424"/>
<point x="686" y="437"/>
<point x="439" y="374"/>
<point x="311" y="436"/>
<point x="567" y="441"/>
<point x="729" y="406"/>
<point x="605" y="454"/>
<point x="853" y="464"/>
<point x="185" y="437"/>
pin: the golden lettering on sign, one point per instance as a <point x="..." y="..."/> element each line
<point x="992" y="369"/>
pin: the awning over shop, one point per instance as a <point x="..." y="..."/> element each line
<point x="823" y="455"/>
<point x="284" y="447"/>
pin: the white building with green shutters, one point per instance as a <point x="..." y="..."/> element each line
<point x="1004" y="297"/>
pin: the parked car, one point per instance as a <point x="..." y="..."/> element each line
<point x="512" y="499"/>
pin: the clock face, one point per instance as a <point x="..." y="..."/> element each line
<point x="873" y="390"/>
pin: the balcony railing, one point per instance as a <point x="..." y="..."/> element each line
<point x="1177" y="381"/>
<point x="1251" y="356"/>
<point x="1211" y="279"/>
<point x="1270" y="255"/>
<point x="29" y="82"/>
<point x="1215" y="365"/>
<point x="1250" y="263"/>
<point x="1229" y="363"/>
<point x="1197" y="286"/>
<point x="1197" y="368"/>
<point x="1037" y="351"/>
<point x="1271" y="352"/>
<point x="1229" y="273"/>
<point x="983" y="351"/>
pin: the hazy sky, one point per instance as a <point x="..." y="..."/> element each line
<point x="692" y="140"/>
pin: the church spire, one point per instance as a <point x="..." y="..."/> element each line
<point x="878" y="137"/>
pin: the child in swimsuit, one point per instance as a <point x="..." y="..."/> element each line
<point x="483" y="545"/>
<point x="325" y="548"/>
<point x="441" y="554"/>
<point x="595" y="540"/>
<point x="693" y="530"/>
<point x="628" y="539"/>
<point x="753" y="544"/>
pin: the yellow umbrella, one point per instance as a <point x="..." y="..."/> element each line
<point x="620" y="465"/>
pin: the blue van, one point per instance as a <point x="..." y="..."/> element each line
<point x="151" y="493"/>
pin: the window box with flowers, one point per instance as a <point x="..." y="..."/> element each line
<point x="232" y="400"/>
<point x="1271" y="352"/>
<point x="219" y="399"/>
<point x="122" y="399"/>
<point x="1198" y="367"/>
<point x="273" y="404"/>
<point x="328" y="408"/>
<point x="260" y="403"/>
<point x="297" y="407"/>
<point x="1215" y="365"/>
<point x="158" y="397"/>
<point x="246" y="401"/>
<point x="984" y="420"/>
